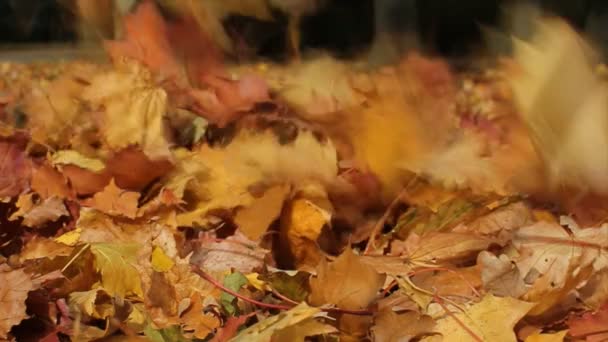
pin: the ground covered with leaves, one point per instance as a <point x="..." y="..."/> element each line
<point x="169" y="197"/>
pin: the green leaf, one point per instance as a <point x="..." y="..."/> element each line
<point x="234" y="282"/>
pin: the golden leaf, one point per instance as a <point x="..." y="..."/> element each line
<point x="115" y="263"/>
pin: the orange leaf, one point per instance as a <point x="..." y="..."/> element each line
<point x="13" y="292"/>
<point x="115" y="201"/>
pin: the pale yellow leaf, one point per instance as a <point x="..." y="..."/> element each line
<point x="71" y="157"/>
<point x="264" y="330"/>
<point x="160" y="261"/>
<point x="492" y="319"/>
<point x="115" y="263"/>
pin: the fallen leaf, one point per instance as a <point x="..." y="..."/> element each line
<point x="302" y="222"/>
<point x="115" y="201"/>
<point x="94" y="303"/>
<point x="14" y="290"/>
<point x="589" y="324"/>
<point x="346" y="282"/>
<point x="114" y="262"/>
<point x="236" y="252"/>
<point x="234" y="282"/>
<point x="197" y="323"/>
<point x="500" y="276"/>
<point x="547" y="337"/>
<point x="265" y="329"/>
<point x="15" y="169"/>
<point x="36" y="214"/>
<point x="254" y="220"/>
<point x="390" y="326"/>
<point x="229" y="329"/>
<point x="160" y="261"/>
<point x="48" y="182"/>
<point x="71" y="157"/>
<point x="441" y="247"/>
<point x="300" y="331"/>
<point x="40" y="247"/>
<point x="133" y="110"/>
<point x="492" y="319"/>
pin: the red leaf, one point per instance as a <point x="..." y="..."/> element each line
<point x="589" y="324"/>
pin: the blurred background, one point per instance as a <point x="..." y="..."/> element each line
<point x="451" y="28"/>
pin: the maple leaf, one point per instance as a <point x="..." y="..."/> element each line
<point x="254" y="158"/>
<point x="133" y="109"/>
<point x="318" y="87"/>
<point x="15" y="169"/>
<point x="94" y="303"/>
<point x="393" y="327"/>
<point x="36" y="214"/>
<point x="265" y="329"/>
<point x="254" y="220"/>
<point x="346" y="282"/>
<point x="114" y="262"/>
<point x="146" y="41"/>
<point x="197" y="323"/>
<point x="48" y="182"/>
<point x="39" y="247"/>
<point x="115" y="201"/>
<point x="14" y="290"/>
<point x="492" y="319"/>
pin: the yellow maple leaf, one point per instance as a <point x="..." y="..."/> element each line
<point x="255" y="219"/>
<point x="115" y="263"/>
<point x="134" y="109"/>
<point x="492" y="319"/>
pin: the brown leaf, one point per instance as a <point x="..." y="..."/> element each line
<point x="40" y="247"/>
<point x="253" y="221"/>
<point x="393" y="327"/>
<point x="15" y="170"/>
<point x="347" y="283"/>
<point x="133" y="170"/>
<point x="14" y="289"/>
<point x="48" y="182"/>
<point x="440" y="247"/>
<point x="114" y="201"/>
<point x="236" y="252"/>
<point x="500" y="276"/>
<point x="196" y="322"/>
<point x="35" y="214"/>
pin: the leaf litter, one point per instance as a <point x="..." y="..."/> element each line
<point x="169" y="196"/>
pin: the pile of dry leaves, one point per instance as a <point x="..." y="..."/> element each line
<point x="169" y="197"/>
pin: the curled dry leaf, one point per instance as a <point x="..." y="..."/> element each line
<point x="13" y="292"/>
<point x="346" y="282"/>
